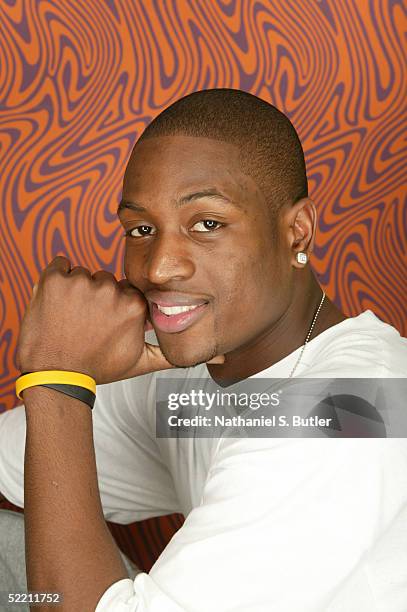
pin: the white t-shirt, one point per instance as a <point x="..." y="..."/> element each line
<point x="283" y="525"/>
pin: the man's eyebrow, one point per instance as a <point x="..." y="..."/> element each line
<point x="204" y="193"/>
<point x="132" y="205"/>
<point x="190" y="197"/>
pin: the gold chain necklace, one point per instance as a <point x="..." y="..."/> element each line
<point x="308" y="335"/>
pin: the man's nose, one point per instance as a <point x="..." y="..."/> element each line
<point x="168" y="259"/>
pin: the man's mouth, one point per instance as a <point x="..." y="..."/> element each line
<point x="175" y="318"/>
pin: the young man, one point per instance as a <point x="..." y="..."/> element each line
<point x="219" y="228"/>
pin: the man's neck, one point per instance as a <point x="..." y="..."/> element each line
<point x="286" y="335"/>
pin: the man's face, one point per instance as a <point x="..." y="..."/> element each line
<point x="204" y="241"/>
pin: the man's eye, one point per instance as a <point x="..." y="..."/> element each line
<point x="208" y="225"/>
<point x="140" y="230"/>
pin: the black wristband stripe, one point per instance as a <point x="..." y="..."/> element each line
<point x="80" y="393"/>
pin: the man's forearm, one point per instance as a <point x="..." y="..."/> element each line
<point x="69" y="548"/>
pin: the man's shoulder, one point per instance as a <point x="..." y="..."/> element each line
<point x="362" y="346"/>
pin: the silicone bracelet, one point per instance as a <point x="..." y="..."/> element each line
<point x="80" y="393"/>
<point x="55" y="377"/>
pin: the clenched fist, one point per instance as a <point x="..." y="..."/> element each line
<point x="86" y="323"/>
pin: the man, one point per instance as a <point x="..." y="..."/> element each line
<point x="219" y="228"/>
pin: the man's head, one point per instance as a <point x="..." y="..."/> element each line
<point x="220" y="188"/>
<point x="270" y="150"/>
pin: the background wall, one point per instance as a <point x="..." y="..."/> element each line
<point x="80" y="79"/>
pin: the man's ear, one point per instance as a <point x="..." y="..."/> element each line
<point x="302" y="221"/>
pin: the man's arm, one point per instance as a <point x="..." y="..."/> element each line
<point x="122" y="440"/>
<point x="65" y="327"/>
<point x="69" y="549"/>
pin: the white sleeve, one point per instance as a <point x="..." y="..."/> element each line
<point x="12" y="447"/>
<point x="134" y="481"/>
<point x="283" y="525"/>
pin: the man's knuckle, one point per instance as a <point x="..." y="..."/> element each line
<point x="104" y="277"/>
<point x="80" y="271"/>
<point x="60" y="262"/>
<point x="59" y="258"/>
<point x="52" y="276"/>
<point x="80" y="280"/>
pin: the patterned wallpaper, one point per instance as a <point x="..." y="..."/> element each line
<point x="79" y="80"/>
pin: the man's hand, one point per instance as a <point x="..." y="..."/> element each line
<point x="86" y="323"/>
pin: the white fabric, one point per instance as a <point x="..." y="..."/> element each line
<point x="281" y="525"/>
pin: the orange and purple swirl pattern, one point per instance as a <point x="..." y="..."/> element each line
<point x="80" y="80"/>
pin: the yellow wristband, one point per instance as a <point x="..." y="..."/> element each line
<point x="49" y="377"/>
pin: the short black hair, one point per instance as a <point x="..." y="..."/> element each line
<point x="267" y="140"/>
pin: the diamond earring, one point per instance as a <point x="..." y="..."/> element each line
<point x="302" y="258"/>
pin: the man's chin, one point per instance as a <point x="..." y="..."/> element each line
<point x="187" y="358"/>
<point x="186" y="363"/>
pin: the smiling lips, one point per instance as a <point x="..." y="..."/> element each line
<point x="172" y="311"/>
<point x="173" y="319"/>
